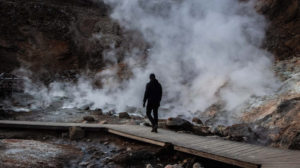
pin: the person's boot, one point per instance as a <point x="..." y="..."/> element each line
<point x="155" y="128"/>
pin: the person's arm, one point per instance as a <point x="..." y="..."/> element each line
<point x="160" y="92"/>
<point x="146" y="95"/>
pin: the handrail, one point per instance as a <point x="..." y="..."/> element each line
<point x="9" y="77"/>
<point x="2" y="74"/>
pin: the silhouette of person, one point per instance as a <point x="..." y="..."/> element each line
<point x="153" y="94"/>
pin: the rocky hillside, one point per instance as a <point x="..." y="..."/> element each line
<point x="55" y="35"/>
<point x="283" y="32"/>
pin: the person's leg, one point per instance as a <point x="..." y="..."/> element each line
<point x="155" y="114"/>
<point x="148" y="112"/>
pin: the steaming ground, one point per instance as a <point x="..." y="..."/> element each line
<point x="201" y="52"/>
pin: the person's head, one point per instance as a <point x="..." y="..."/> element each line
<point x="152" y="76"/>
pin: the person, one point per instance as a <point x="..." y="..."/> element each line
<point x="153" y="95"/>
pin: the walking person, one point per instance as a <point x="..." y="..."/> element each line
<point x="153" y="94"/>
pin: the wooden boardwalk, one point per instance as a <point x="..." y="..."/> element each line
<point x="235" y="153"/>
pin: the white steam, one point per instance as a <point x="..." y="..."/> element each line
<point x="198" y="46"/>
<point x="202" y="52"/>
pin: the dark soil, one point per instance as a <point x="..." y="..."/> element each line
<point x="107" y="150"/>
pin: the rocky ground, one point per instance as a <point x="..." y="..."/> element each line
<point x="49" y="149"/>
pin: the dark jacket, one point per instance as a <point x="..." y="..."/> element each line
<point x="153" y="92"/>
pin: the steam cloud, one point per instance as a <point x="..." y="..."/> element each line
<point x="202" y="52"/>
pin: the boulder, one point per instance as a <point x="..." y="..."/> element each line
<point x="187" y="162"/>
<point x="91" y="165"/>
<point x="93" y="149"/>
<point x="167" y="149"/>
<point x="179" y="124"/>
<point x="132" y="122"/>
<point x="197" y="121"/>
<point x="83" y="163"/>
<point x="149" y="166"/>
<point x="88" y="118"/>
<point x="99" y="111"/>
<point x="86" y="106"/>
<point x="201" y="130"/>
<point x="97" y="155"/>
<point x="111" y="112"/>
<point x="241" y="130"/>
<point x="124" y="115"/>
<point x="197" y="165"/>
<point x="173" y="166"/>
<point x="76" y="132"/>
<point x="219" y="130"/>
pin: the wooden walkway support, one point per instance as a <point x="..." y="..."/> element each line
<point x="235" y="153"/>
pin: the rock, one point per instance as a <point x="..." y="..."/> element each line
<point x="197" y="121"/>
<point x="197" y="165"/>
<point x="106" y="160"/>
<point x="146" y="124"/>
<point x="88" y="118"/>
<point x="91" y="165"/>
<point x="111" y="112"/>
<point x="201" y="130"/>
<point x="167" y="149"/>
<point x="93" y="149"/>
<point x="86" y="106"/>
<point x="239" y="130"/>
<point x="99" y="111"/>
<point x="102" y="122"/>
<point x="149" y="166"/>
<point x="97" y="155"/>
<point x="84" y="163"/>
<point x="129" y="149"/>
<point x="76" y="132"/>
<point x="179" y="124"/>
<point x="288" y="137"/>
<point x="65" y="135"/>
<point x="188" y="162"/>
<point x="124" y="115"/>
<point x="132" y="156"/>
<point x="105" y="140"/>
<point x="295" y="143"/>
<point x="132" y="122"/>
<point x="121" y="149"/>
<point x="219" y="130"/>
<point x="173" y="166"/>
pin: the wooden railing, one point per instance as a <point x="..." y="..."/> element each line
<point x="10" y="83"/>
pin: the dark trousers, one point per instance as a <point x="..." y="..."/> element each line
<point x="154" y="107"/>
